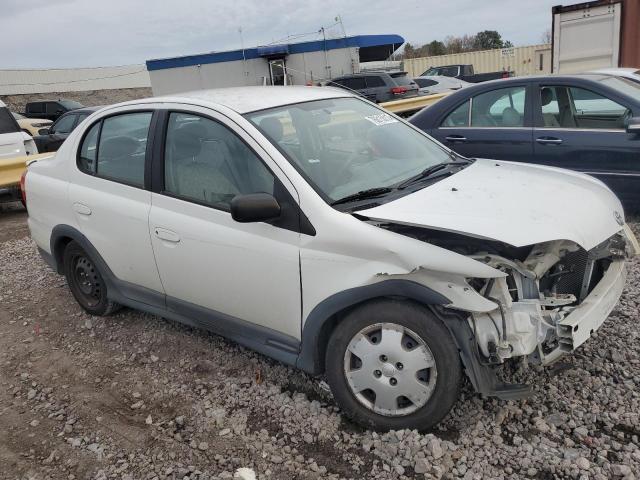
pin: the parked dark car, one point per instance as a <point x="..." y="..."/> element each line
<point x="51" y="138"/>
<point x="589" y="123"/>
<point x="378" y="86"/>
<point x="50" y="109"/>
<point x="465" y="72"/>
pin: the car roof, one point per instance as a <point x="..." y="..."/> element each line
<point x="250" y="99"/>
<point x="75" y="111"/>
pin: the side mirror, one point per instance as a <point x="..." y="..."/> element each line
<point x="633" y="125"/>
<point x="254" y="207"/>
<point x="44" y="131"/>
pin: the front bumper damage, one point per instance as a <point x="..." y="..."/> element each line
<point x="534" y="318"/>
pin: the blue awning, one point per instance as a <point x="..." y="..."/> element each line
<point x="370" y="48"/>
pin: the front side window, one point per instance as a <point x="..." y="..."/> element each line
<point x="115" y="148"/>
<point x="345" y="145"/>
<point x="64" y="125"/>
<point x="53" y="108"/>
<point x="499" y="108"/>
<point x="206" y="162"/>
<point x="572" y="107"/>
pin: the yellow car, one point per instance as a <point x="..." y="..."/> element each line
<point x="32" y="126"/>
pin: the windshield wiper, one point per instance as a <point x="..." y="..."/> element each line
<point x="363" y="195"/>
<point x="429" y="171"/>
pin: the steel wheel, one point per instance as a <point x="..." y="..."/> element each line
<point x="390" y="369"/>
<point x="87" y="280"/>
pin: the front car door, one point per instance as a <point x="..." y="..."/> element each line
<point x="493" y="124"/>
<point x="220" y="272"/>
<point x="581" y="127"/>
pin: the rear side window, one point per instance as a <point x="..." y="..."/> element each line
<point x="355" y="83"/>
<point x="373" y="82"/>
<point x="35" y="107"/>
<point x="8" y="124"/>
<point x="459" y="117"/>
<point x="115" y="148"/>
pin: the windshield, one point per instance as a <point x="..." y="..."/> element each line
<point x="441" y="71"/>
<point x="623" y="85"/>
<point x="70" y="104"/>
<point x="344" y="146"/>
<point x="7" y="122"/>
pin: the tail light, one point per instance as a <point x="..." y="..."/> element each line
<point x="399" y="90"/>
<point x="23" y="191"/>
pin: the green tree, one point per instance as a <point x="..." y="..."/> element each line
<point x="488" y="40"/>
<point x="436" y="47"/>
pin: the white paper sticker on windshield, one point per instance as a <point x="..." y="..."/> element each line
<point x="381" y="119"/>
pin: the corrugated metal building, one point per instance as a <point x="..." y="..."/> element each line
<point x="20" y="82"/>
<point x="530" y="60"/>
<point x="283" y="64"/>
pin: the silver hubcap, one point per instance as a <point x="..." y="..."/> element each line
<point x="390" y="369"/>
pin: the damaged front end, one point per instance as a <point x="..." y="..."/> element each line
<point x="551" y="298"/>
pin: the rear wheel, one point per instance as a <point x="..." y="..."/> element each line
<point x="85" y="281"/>
<point x="393" y="365"/>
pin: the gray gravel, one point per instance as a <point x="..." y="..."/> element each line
<point x="133" y="396"/>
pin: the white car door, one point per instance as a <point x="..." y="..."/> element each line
<point x="109" y="200"/>
<point x="213" y="268"/>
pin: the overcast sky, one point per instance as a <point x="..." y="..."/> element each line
<point x="78" y="33"/>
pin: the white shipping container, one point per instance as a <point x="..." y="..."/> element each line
<point x="528" y="60"/>
<point x="586" y="37"/>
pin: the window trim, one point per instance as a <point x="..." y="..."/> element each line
<point x="146" y="185"/>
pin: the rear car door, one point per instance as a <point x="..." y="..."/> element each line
<point x="111" y="197"/>
<point x="585" y="130"/>
<point x="493" y="124"/>
<point x="213" y="268"/>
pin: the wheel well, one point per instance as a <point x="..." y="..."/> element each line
<point x="332" y="322"/>
<point x="58" y="249"/>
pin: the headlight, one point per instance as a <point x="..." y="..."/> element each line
<point x="41" y="124"/>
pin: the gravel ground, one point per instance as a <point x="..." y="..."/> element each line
<point x="133" y="396"/>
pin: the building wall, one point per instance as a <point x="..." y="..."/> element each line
<point x="302" y="68"/>
<point x="522" y="60"/>
<point x="17" y="82"/>
<point x="89" y="98"/>
<point x="630" y="51"/>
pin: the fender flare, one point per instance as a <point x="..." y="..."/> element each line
<point x="322" y="317"/>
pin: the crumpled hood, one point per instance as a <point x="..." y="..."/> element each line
<point x="518" y="204"/>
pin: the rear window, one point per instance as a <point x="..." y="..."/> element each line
<point x="70" y="104"/>
<point x="8" y="124"/>
<point x="425" y="82"/>
<point x="402" y="79"/>
<point x="623" y="85"/>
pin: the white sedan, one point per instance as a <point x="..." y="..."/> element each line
<point x="316" y="228"/>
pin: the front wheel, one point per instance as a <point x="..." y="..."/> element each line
<point x="393" y="365"/>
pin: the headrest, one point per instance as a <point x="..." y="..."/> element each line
<point x="546" y="96"/>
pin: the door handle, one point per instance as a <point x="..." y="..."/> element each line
<point x="81" y="208"/>
<point x="456" y="138"/>
<point x="167" y="235"/>
<point x="549" y="140"/>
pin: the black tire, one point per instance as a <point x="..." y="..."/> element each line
<point x="435" y="335"/>
<point x="85" y="281"/>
